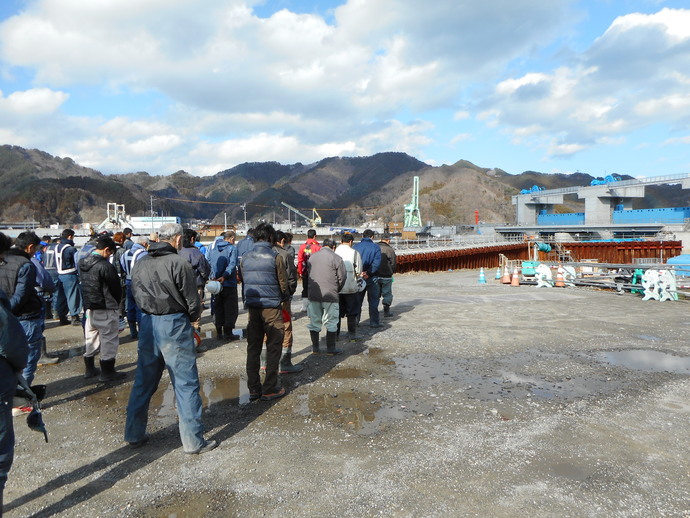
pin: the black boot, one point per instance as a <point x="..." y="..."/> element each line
<point x="75" y="320"/>
<point x="64" y="321"/>
<point x="108" y="372"/>
<point x="46" y="359"/>
<point x="90" y="367"/>
<point x="314" y="342"/>
<point x="330" y="344"/>
<point x="230" y="335"/>
<point x="286" y="366"/>
<point x="387" y="310"/>
<point x="352" y="328"/>
<point x="133" y="333"/>
<point x="219" y="332"/>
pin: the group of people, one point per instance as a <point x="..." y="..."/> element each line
<point x="157" y="283"/>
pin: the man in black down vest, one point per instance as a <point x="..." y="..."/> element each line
<point x="264" y="288"/>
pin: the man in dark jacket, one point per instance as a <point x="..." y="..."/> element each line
<point x="66" y="262"/>
<point x="327" y="277"/>
<point x="385" y="273"/>
<point x="264" y="289"/>
<point x="280" y="246"/>
<point x="371" y="260"/>
<point x="14" y="352"/>
<point x="223" y="261"/>
<point x="165" y="291"/>
<point x="201" y="267"/>
<point x="101" y="290"/>
<point x="18" y="281"/>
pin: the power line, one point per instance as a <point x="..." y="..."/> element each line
<point x="267" y="206"/>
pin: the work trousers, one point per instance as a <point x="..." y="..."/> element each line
<point x="59" y="302"/>
<point x="166" y="342"/>
<point x="102" y="333"/>
<point x="226" y="309"/>
<point x="8" y="386"/>
<point x="69" y="283"/>
<point x="323" y="314"/>
<point x="133" y="311"/>
<point x="373" y="294"/>
<point x="33" y="328"/>
<point x="287" y="324"/>
<point x="264" y="322"/>
<point x="386" y="289"/>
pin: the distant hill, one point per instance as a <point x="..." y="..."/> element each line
<point x="345" y="190"/>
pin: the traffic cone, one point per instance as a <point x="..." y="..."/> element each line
<point x="482" y="278"/>
<point x="506" y="275"/>
<point x="515" y="281"/>
<point x="560" y="280"/>
<point x="498" y="274"/>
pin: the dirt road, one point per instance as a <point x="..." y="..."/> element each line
<point x="473" y="400"/>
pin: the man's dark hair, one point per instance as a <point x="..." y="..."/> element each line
<point x="26" y="239"/>
<point x="127" y="231"/>
<point x="368" y="233"/>
<point x="264" y="232"/>
<point x="68" y="233"/>
<point x="328" y="243"/>
<point x="188" y="238"/>
<point x="280" y="235"/>
<point x="347" y="238"/>
<point x="288" y="237"/>
<point x="386" y="236"/>
<point x="311" y="233"/>
<point x="105" y="242"/>
<point x="5" y="243"/>
<point x="251" y="232"/>
<point x="46" y="238"/>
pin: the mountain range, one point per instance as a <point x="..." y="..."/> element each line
<point x="344" y="190"/>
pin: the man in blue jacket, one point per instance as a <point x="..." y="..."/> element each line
<point x="371" y="260"/>
<point x="14" y="352"/>
<point x="223" y="260"/>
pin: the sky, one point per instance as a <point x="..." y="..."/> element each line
<point x="599" y="86"/>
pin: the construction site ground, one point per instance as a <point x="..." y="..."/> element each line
<point x="472" y="400"/>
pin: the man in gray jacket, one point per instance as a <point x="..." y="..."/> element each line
<point x="327" y="277"/>
<point x="165" y="289"/>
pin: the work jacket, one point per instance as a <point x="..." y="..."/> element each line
<point x="100" y="283"/>
<point x="326" y="275"/>
<point x="18" y="281"/>
<point x="264" y="277"/>
<point x="353" y="267"/>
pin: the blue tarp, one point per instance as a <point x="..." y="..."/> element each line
<point x="681" y="260"/>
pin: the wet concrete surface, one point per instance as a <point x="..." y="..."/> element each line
<point x="473" y="400"/>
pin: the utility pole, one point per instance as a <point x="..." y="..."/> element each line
<point x="244" y="208"/>
<point x="152" y="229"/>
<point x="225" y="226"/>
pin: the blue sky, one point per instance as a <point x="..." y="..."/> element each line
<point x="601" y="87"/>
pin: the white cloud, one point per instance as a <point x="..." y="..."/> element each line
<point x="37" y="101"/>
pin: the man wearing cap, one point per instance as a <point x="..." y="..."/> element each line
<point x="165" y="289"/>
<point x="385" y="273"/>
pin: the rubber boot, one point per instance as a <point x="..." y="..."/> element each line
<point x="330" y="344"/>
<point x="387" y="310"/>
<point x="46" y="359"/>
<point x="352" y="328"/>
<point x="90" y="370"/>
<point x="64" y="321"/>
<point x="133" y="333"/>
<point x="286" y="366"/>
<point x="108" y="372"/>
<point x="314" y="342"/>
<point x="230" y="335"/>
<point x="219" y="332"/>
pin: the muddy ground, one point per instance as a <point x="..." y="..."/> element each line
<point x="473" y="400"/>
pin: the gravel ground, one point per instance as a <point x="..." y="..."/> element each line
<point x="473" y="400"/>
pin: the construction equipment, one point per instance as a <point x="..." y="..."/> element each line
<point x="315" y="219"/>
<point x="412" y="216"/>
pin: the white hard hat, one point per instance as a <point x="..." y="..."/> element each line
<point x="214" y="287"/>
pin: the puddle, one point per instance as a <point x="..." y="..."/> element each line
<point x="162" y="405"/>
<point x="646" y="360"/>
<point x="377" y="355"/>
<point x="193" y="505"/>
<point x="569" y="471"/>
<point x="355" y="411"/>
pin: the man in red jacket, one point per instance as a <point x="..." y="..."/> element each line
<point x="305" y="250"/>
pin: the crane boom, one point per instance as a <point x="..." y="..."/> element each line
<point x="313" y="221"/>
